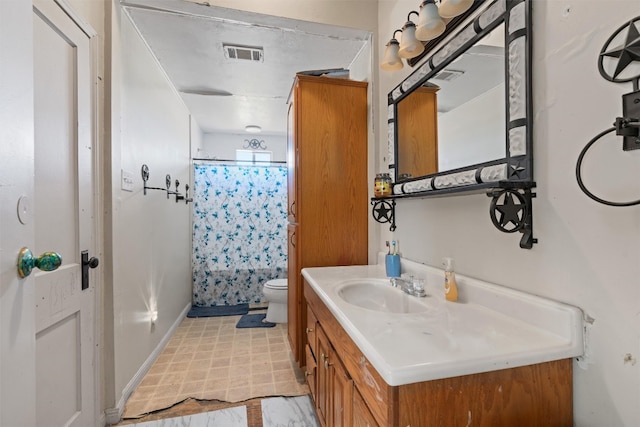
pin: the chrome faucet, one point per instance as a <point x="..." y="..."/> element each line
<point x="408" y="286"/>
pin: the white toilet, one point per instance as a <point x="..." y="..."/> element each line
<point x="275" y="291"/>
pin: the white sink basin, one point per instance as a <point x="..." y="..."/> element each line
<point x="379" y="295"/>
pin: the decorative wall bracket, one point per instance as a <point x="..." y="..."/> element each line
<point x="179" y="196"/>
<point x="385" y="212"/>
<point x="255" y="144"/>
<point x="511" y="210"/>
<point x="616" y="57"/>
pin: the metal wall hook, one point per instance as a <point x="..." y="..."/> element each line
<point x="187" y="199"/>
<point x="144" y="171"/>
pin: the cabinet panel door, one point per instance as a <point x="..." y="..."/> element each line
<point x="342" y="388"/>
<point x="311" y="331"/>
<point x="292" y="159"/>
<point x="310" y="373"/>
<point x="294" y="297"/>
<point x="362" y="416"/>
<point x="323" y="401"/>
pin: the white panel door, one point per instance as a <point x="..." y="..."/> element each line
<point x="65" y="313"/>
<point x="17" y="328"/>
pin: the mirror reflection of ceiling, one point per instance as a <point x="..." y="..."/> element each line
<point x="478" y="70"/>
<point x="225" y="94"/>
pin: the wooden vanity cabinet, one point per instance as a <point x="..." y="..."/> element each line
<point x="527" y="396"/>
<point x="328" y="195"/>
<point x="332" y="389"/>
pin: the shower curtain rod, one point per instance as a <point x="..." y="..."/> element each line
<point x="248" y="162"/>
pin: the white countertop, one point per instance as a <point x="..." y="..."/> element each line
<point x="491" y="327"/>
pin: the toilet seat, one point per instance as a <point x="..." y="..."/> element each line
<point x="276" y="284"/>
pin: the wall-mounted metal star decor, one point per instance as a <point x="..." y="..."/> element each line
<point x="384" y="211"/>
<point x="255" y="144"/>
<point x="516" y="169"/>
<point x="624" y="54"/>
<point x="508" y="208"/>
<point x="511" y="211"/>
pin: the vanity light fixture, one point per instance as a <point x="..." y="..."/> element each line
<point x="452" y="8"/>
<point x="391" y="61"/>
<point x="410" y="47"/>
<point x="432" y="23"/>
<point x="253" y="128"/>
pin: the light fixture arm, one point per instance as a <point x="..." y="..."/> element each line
<point x="409" y="15"/>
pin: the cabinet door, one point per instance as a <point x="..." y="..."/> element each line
<point x="310" y="372"/>
<point x="294" y="296"/>
<point x="292" y="160"/>
<point x="342" y="393"/>
<point x="323" y="398"/>
<point x="362" y="416"/>
<point x="311" y="331"/>
<point x="418" y="131"/>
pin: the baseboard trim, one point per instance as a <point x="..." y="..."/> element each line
<point x="113" y="415"/>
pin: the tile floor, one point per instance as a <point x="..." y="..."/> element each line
<point x="211" y="359"/>
<point x="275" y="412"/>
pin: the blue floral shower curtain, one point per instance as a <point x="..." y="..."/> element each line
<point x="239" y="232"/>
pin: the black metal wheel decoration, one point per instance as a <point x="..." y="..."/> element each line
<point x="384" y="212"/>
<point x="508" y="211"/>
<point x="511" y="211"/>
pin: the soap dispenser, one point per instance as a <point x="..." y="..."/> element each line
<point x="450" y="286"/>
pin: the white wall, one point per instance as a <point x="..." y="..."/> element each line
<point x="481" y="139"/>
<point x="588" y="255"/>
<point x="150" y="236"/>
<point x="224" y="145"/>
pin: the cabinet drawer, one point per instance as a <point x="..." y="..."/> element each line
<point x="311" y="331"/>
<point x="310" y="371"/>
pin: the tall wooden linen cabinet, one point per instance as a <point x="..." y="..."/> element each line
<point x="327" y="185"/>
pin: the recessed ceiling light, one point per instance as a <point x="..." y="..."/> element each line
<point x="253" y="128"/>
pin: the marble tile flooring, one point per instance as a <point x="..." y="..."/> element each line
<point x="276" y="412"/>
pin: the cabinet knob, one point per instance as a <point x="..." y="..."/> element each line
<point x="327" y="364"/>
<point x="309" y="330"/>
<point x="307" y="373"/>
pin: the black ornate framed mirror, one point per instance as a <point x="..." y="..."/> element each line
<point x="462" y="121"/>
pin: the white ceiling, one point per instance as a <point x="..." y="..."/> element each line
<point x="187" y="39"/>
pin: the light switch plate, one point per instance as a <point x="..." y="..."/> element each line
<point x="126" y="182"/>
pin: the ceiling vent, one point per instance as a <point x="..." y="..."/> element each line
<point x="244" y="53"/>
<point x="448" y="75"/>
